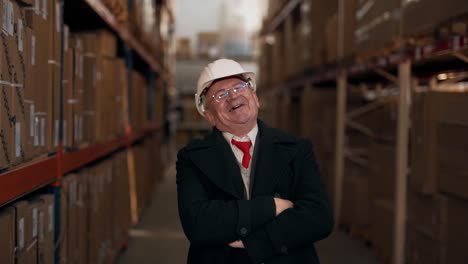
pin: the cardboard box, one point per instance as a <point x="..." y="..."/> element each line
<point x="451" y="106"/>
<point x="16" y="61"/>
<point x="429" y="109"/>
<point x="54" y="29"/>
<point x="68" y="89"/>
<point x="424" y="114"/>
<point x="422" y="248"/>
<point x="331" y="39"/>
<point x="72" y="232"/>
<point x="106" y="43"/>
<point x="89" y="99"/>
<point x="32" y="238"/>
<point x="82" y="209"/>
<point x="278" y="57"/>
<point x="78" y="89"/>
<point x="184" y="48"/>
<point x="39" y="20"/>
<point x="29" y="95"/>
<point x="377" y="24"/>
<point x="208" y="44"/>
<point x="23" y="218"/>
<point x="314" y="17"/>
<point x="319" y="118"/>
<point x="7" y="229"/>
<point x="382" y="228"/>
<point x="7" y="125"/>
<point x="46" y="229"/>
<point x="457" y="217"/>
<point x="95" y="227"/>
<point x="121" y="99"/>
<point x="423" y="17"/>
<point x="290" y="61"/>
<point x="452" y="153"/>
<point x="356" y="202"/>
<point x="382" y="171"/>
<point x="427" y="213"/>
<point x="63" y="246"/>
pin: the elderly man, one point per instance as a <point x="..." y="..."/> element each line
<point x="247" y="193"/>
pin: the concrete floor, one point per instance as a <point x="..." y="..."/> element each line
<point x="159" y="237"/>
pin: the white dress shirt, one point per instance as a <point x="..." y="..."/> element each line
<point x="245" y="172"/>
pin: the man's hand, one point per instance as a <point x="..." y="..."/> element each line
<point x="282" y="204"/>
<point x="237" y="244"/>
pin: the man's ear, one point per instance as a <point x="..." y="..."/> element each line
<point x="209" y="117"/>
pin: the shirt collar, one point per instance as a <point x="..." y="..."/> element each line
<point x="252" y="135"/>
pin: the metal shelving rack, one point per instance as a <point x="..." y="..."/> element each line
<point x="48" y="171"/>
<point x="125" y="34"/>
<point x="395" y="68"/>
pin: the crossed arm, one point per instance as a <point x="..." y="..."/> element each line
<point x="264" y="226"/>
<point x="280" y="206"/>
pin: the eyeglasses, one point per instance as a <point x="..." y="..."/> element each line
<point x="223" y="94"/>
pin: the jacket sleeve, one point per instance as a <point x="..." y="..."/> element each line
<point x="215" y="222"/>
<point x="310" y="219"/>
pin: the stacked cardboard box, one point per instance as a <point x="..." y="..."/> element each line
<point x="313" y="22"/>
<point x="382" y="228"/>
<point x="139" y="101"/>
<point x="159" y="103"/>
<point x="97" y="87"/>
<point x="416" y="23"/>
<point x="265" y="65"/>
<point x="28" y="228"/>
<point x="332" y="30"/>
<point x="13" y="118"/>
<point x="208" y="44"/>
<point x="184" y="48"/>
<point x="278" y="72"/>
<point x="377" y="26"/>
<point x="437" y="199"/>
<point x="356" y="205"/>
<point x="96" y="203"/>
<point x="318" y="124"/>
<point x="74" y="101"/>
<point x="7" y="243"/>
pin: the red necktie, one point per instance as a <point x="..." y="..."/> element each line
<point x="244" y="147"/>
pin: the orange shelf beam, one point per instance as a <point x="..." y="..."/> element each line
<point x="76" y="159"/>
<point x="27" y="178"/>
<point x="124" y="33"/>
<point x="32" y="176"/>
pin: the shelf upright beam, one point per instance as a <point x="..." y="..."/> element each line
<point x="340" y="144"/>
<point x="404" y="75"/>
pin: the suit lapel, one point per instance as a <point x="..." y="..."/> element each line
<point x="216" y="160"/>
<point x="274" y="155"/>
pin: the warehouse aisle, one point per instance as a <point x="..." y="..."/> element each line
<point x="159" y="237"/>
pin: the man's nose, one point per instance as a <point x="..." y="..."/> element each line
<point x="232" y="94"/>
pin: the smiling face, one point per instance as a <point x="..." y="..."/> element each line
<point x="237" y="114"/>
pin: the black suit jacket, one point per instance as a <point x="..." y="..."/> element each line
<point x="213" y="211"/>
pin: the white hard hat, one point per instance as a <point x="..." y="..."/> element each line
<point x="219" y="69"/>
